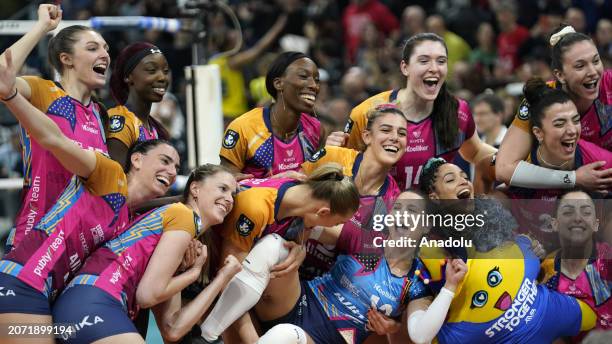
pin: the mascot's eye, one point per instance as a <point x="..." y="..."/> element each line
<point x="494" y="277"/>
<point x="479" y="299"/>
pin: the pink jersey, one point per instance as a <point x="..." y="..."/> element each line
<point x="593" y="285"/>
<point x="423" y="145"/>
<point x="250" y="145"/>
<point x="533" y="210"/>
<point x="85" y="216"/>
<point x="118" y="267"/>
<point x="44" y="177"/>
<point x="320" y="257"/>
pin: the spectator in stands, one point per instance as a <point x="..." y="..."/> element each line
<point x="603" y="38"/>
<point x="574" y="16"/>
<point x="510" y="38"/>
<point x="488" y="114"/>
<point x="354" y="86"/>
<point x="483" y="57"/>
<point x="458" y="49"/>
<point x="413" y="21"/>
<point x="355" y="16"/>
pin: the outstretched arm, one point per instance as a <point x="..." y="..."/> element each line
<point x="175" y="321"/>
<point x="245" y="57"/>
<point x="49" y="17"/>
<point x="41" y="128"/>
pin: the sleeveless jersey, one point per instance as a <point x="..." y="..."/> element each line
<point x="532" y="207"/>
<point x="499" y="300"/>
<point x="249" y="144"/>
<point x="596" y="121"/>
<point x="593" y="286"/>
<point x="422" y="143"/>
<point x="320" y="257"/>
<point x="86" y="215"/>
<point x="254" y="213"/>
<point x="118" y="266"/>
<point x="357" y="283"/>
<point x="126" y="127"/>
<point x="44" y="177"/>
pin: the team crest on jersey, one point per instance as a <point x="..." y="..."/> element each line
<point x="349" y="126"/>
<point x="523" y="112"/>
<point x="116" y="123"/>
<point x="245" y="225"/>
<point x="230" y="139"/>
<point x="317" y="155"/>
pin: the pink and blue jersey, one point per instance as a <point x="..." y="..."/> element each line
<point x="126" y="127"/>
<point x="44" y="177"/>
<point x="119" y="265"/>
<point x="87" y="214"/>
<point x="358" y="283"/>
<point x="596" y="121"/>
<point x="422" y="142"/>
<point x="250" y="145"/>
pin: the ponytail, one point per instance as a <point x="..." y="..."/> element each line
<point x="328" y="183"/>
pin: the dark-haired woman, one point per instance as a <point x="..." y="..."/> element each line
<point x="439" y="125"/>
<point x="140" y="77"/>
<point x="279" y="138"/>
<point x="559" y="146"/>
<point x="581" y="267"/>
<point x="269" y="212"/>
<point x="138" y="268"/>
<point x="92" y="209"/>
<point x="79" y="54"/>
<point x="578" y="70"/>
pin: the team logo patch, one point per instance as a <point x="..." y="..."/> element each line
<point x="349" y="126"/>
<point x="245" y="225"/>
<point x="317" y="155"/>
<point x="116" y="123"/>
<point x="230" y="139"/>
<point x="523" y="112"/>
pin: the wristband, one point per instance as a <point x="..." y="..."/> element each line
<point x="11" y="97"/>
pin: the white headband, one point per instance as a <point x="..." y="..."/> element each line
<point x="554" y="39"/>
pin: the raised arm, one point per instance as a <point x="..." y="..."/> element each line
<point x="248" y="56"/>
<point x="49" y="17"/>
<point x="175" y="321"/>
<point x="514" y="149"/>
<point x="158" y="284"/>
<point x="41" y="128"/>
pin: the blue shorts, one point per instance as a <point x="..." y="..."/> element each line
<point x="18" y="297"/>
<point x="310" y="316"/>
<point x="94" y="313"/>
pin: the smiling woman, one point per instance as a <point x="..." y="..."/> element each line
<point x="140" y="77"/>
<point x="272" y="140"/>
<point x="79" y="54"/>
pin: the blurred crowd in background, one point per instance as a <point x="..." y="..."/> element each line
<point x="494" y="46"/>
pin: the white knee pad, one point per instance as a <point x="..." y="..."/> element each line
<point x="269" y="251"/>
<point x="284" y="333"/>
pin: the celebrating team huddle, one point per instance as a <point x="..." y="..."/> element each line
<point x="281" y="240"/>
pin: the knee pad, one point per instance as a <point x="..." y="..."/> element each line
<point x="284" y="333"/>
<point x="269" y="251"/>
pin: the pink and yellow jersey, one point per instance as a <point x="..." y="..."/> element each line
<point x="533" y="210"/>
<point x="87" y="214"/>
<point x="593" y="286"/>
<point x="357" y="234"/>
<point x="118" y="266"/>
<point x="255" y="213"/>
<point x="249" y="144"/>
<point x="44" y="177"/>
<point x="596" y="121"/>
<point x="422" y="143"/>
<point x="126" y="127"/>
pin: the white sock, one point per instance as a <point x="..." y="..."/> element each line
<point x="245" y="289"/>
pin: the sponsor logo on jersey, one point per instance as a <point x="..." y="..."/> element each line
<point x="244" y="226"/>
<point x="317" y="155"/>
<point x="116" y="123"/>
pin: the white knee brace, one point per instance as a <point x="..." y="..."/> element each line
<point x="284" y="333"/>
<point x="269" y="251"/>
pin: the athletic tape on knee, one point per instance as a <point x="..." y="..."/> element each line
<point x="269" y="251"/>
<point x="284" y="333"/>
